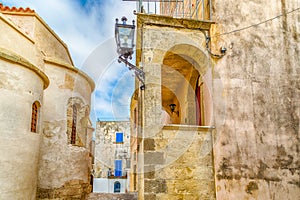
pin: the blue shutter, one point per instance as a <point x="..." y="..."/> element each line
<point x="119" y="137"/>
<point x="118" y="167"/>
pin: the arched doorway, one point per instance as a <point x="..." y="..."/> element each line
<point x="117" y="187"/>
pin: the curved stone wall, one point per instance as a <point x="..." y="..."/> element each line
<point x="62" y="162"/>
<point x="20" y="87"/>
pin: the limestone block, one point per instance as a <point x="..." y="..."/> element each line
<point x="151" y="158"/>
<point x="155" y="186"/>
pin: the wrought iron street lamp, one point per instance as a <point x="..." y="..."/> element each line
<point x="124" y="35"/>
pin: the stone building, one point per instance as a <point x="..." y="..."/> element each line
<point x="46" y="132"/>
<point x="214" y="124"/>
<point x="112" y="157"/>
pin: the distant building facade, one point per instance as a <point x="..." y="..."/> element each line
<point x="112" y="157"/>
<point x="45" y="130"/>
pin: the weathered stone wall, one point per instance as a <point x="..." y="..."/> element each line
<point x="20" y="87"/>
<point x="54" y="47"/>
<point x="179" y="164"/>
<point x="12" y="40"/>
<point x="60" y="161"/>
<point x="169" y="164"/>
<point x="74" y="189"/>
<point x="256" y="100"/>
<point x="29" y="50"/>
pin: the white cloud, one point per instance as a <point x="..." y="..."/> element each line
<point x="88" y="32"/>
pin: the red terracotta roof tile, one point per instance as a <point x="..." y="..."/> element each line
<point x="14" y="9"/>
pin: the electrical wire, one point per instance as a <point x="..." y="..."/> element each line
<point x="253" y="25"/>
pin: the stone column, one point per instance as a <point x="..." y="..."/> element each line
<point x="152" y="126"/>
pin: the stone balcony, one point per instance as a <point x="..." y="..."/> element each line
<point x="178" y="162"/>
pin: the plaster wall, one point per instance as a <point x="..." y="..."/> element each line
<point x="13" y="39"/>
<point x="105" y="185"/>
<point x="256" y="100"/>
<point x="54" y="47"/>
<point x="23" y="22"/>
<point x="20" y="87"/>
<point x="65" y="168"/>
<point x="45" y="165"/>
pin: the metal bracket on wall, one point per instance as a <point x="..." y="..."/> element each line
<point x="222" y="49"/>
<point x="140" y="74"/>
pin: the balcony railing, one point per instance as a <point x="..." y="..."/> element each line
<point x="191" y="9"/>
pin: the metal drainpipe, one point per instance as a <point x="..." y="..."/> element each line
<point x="190" y="9"/>
<point x="182" y="9"/>
<point x="140" y="6"/>
<point x="210" y="9"/>
<point x="176" y="8"/>
<point x="203" y="9"/>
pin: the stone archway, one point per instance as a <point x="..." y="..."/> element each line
<point x="185" y="68"/>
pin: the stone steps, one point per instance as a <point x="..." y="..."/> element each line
<point x="109" y="196"/>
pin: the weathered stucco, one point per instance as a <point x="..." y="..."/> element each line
<point x="20" y="87"/>
<point x="62" y="162"/>
<point x="13" y="40"/>
<point x="256" y="100"/>
<point x="41" y="164"/>
<point x="170" y="164"/>
<point x="254" y="92"/>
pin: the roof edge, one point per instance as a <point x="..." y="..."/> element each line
<point x="12" y="25"/>
<point x="6" y="10"/>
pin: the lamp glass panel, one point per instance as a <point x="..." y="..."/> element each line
<point x="126" y="37"/>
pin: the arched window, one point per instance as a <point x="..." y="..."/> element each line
<point x="35" y="116"/>
<point x="199" y="102"/>
<point x="74" y="122"/>
<point x="117" y="187"/>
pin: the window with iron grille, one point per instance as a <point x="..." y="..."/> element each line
<point x="74" y="121"/>
<point x="34" y="116"/>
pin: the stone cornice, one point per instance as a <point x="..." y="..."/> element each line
<point x="66" y="65"/>
<point x="167" y="21"/>
<point x="187" y="127"/>
<point x="14" y="58"/>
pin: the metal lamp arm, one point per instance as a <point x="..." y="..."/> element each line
<point x="138" y="72"/>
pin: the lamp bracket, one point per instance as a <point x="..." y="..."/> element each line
<point x="140" y="74"/>
<point x="222" y="50"/>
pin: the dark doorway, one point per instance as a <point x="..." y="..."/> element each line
<point x="117" y="187"/>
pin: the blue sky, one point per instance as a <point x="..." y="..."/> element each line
<point x="87" y="27"/>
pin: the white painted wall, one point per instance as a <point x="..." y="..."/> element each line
<point x="104" y="185"/>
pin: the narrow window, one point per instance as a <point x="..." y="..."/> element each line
<point x="119" y="137"/>
<point x="135" y="117"/>
<point x="134" y="178"/>
<point x="74" y="121"/>
<point x="34" y="116"/>
<point x="199" y="103"/>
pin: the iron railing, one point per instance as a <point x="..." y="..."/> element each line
<point x="191" y="9"/>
